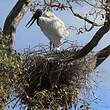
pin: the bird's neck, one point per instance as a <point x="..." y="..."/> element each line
<point x="38" y="21"/>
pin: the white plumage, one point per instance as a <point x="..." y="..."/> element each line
<point x="53" y="27"/>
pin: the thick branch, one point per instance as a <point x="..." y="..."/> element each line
<point x="93" y="43"/>
<point x="87" y="48"/>
<point x="102" y="55"/>
<point x="96" y="38"/>
<point x="13" y="20"/>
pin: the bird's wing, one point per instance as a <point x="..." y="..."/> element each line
<point x="56" y="23"/>
<point x="53" y="28"/>
<point x="48" y="14"/>
<point x="60" y="28"/>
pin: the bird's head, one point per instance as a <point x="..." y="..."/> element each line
<point x="36" y="15"/>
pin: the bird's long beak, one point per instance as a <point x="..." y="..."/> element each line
<point x="32" y="20"/>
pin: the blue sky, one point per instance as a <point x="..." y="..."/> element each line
<point x="33" y="36"/>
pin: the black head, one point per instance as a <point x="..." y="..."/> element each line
<point x="36" y="15"/>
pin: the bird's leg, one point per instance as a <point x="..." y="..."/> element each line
<point x="53" y="46"/>
<point x="50" y="45"/>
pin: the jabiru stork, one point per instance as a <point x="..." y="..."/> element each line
<point x="52" y="27"/>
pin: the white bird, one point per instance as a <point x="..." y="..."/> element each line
<point x="52" y="26"/>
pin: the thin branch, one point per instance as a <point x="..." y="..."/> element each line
<point x="81" y="17"/>
<point x="11" y="100"/>
<point x="95" y="6"/>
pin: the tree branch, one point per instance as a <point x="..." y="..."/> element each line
<point x="81" y="17"/>
<point x="96" y="38"/>
<point x="93" y="43"/>
<point x="102" y="55"/>
<point x="13" y="20"/>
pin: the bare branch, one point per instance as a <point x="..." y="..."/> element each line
<point x="81" y="17"/>
<point x="102" y="55"/>
<point x="99" y="34"/>
<point x="13" y="20"/>
<point x="96" y="38"/>
<point x="93" y="43"/>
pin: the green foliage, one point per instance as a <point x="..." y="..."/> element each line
<point x="10" y="67"/>
<point x="3" y="42"/>
<point x="53" y="98"/>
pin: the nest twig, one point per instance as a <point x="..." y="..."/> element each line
<point x="51" y="82"/>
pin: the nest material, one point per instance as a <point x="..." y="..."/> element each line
<point x="51" y="81"/>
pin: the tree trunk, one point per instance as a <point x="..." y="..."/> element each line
<point x="13" y="20"/>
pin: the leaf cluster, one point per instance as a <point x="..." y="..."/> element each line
<point x="10" y="67"/>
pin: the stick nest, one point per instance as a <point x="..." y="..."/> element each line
<point x="51" y="81"/>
